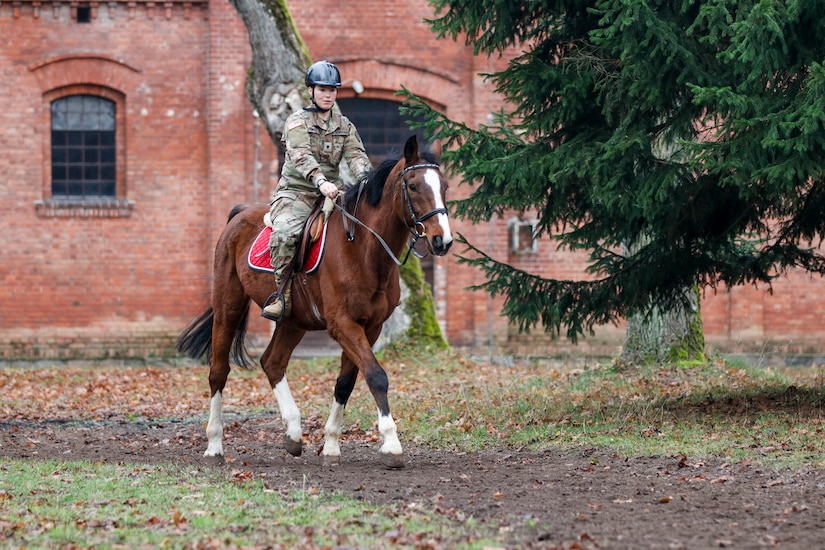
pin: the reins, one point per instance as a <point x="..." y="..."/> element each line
<point x="389" y="251"/>
<point x="417" y="221"/>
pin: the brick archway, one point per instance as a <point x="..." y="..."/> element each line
<point x="99" y="70"/>
<point x="382" y="80"/>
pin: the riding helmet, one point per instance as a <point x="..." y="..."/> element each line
<point x="323" y="73"/>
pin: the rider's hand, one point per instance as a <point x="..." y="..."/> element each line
<point x="329" y="189"/>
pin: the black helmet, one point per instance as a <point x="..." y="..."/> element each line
<point x="323" y="73"/>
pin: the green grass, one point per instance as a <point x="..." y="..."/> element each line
<point x="732" y="411"/>
<point x="46" y="504"/>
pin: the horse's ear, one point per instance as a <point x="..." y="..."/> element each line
<point x="411" y="150"/>
<point x="436" y="149"/>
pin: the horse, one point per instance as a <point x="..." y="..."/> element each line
<point x="353" y="291"/>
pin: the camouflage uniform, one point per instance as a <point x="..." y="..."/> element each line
<point x="314" y="151"/>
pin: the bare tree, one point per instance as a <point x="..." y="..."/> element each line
<point x="275" y="86"/>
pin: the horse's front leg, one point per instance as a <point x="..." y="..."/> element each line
<point x="331" y="452"/>
<point x="391" y="454"/>
<point x="356" y="344"/>
<point x="274" y="362"/>
<point x="293" y="438"/>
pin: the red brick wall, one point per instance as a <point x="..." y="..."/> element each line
<point x="78" y="275"/>
<point x="124" y="281"/>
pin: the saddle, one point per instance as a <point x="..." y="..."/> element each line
<point x="310" y="248"/>
<point x="315" y="231"/>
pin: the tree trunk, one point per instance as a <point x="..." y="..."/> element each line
<point x="275" y="86"/>
<point x="666" y="335"/>
<point x="414" y="321"/>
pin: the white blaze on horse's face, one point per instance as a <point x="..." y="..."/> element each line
<point x="433" y="180"/>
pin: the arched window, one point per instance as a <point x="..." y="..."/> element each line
<point x="382" y="127"/>
<point x="83" y="147"/>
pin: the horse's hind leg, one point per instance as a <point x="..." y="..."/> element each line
<point x="274" y="362"/>
<point x="331" y="453"/>
<point x="222" y="335"/>
<point x="214" y="428"/>
<point x="229" y="313"/>
<point x="218" y="373"/>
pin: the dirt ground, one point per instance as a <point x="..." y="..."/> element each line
<point x="582" y="498"/>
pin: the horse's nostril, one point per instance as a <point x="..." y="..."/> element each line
<point x="439" y="247"/>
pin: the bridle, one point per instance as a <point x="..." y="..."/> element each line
<point x="417" y="220"/>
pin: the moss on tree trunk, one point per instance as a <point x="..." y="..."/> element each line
<point x="666" y="335"/>
<point x="419" y="326"/>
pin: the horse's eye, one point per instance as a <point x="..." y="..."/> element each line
<point x="412" y="187"/>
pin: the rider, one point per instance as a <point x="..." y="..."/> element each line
<point x="316" y="139"/>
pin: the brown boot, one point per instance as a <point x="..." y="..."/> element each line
<point x="281" y="306"/>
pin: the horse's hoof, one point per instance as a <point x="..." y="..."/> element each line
<point x="217" y="460"/>
<point x="330" y="460"/>
<point x="293" y="447"/>
<point x="392" y="462"/>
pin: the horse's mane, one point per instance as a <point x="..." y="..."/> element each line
<point x="377" y="177"/>
<point x="237" y="209"/>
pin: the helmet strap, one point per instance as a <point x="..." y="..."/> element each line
<point x="315" y="107"/>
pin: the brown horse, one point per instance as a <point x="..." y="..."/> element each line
<point x="351" y="294"/>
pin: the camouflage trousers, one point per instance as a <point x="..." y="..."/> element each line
<point x="289" y="212"/>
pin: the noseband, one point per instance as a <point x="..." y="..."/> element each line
<point x="417" y="221"/>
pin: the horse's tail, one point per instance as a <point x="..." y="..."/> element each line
<point x="240" y="353"/>
<point x="196" y="339"/>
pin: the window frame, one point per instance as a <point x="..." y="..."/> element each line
<point x="518" y="246"/>
<point x="96" y="178"/>
<point x="87" y="206"/>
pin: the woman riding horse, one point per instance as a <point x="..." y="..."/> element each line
<point x="353" y="291"/>
<point x="316" y="140"/>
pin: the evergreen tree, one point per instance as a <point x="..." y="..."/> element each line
<point x="732" y="90"/>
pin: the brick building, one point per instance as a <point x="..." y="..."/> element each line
<point x="143" y="103"/>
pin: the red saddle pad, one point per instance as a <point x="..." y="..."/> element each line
<point x="260" y="260"/>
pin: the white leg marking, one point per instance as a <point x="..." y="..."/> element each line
<point x="214" y="429"/>
<point x="289" y="410"/>
<point x="333" y="429"/>
<point x="434" y="181"/>
<point x="386" y="426"/>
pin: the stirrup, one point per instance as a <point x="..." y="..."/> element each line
<point x="274" y="296"/>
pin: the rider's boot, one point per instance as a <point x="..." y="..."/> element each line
<point x="281" y="305"/>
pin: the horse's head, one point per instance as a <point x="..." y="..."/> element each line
<point x="424" y="196"/>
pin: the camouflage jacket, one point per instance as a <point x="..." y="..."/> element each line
<point x="314" y="152"/>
